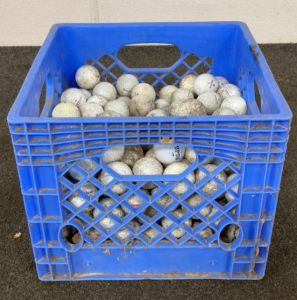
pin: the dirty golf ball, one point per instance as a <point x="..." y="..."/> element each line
<point x="118" y="106"/>
<point x="113" y="154"/>
<point x="228" y="90"/>
<point x="150" y="153"/>
<point x="87" y="77"/>
<point x="190" y="155"/>
<point x="210" y="187"/>
<point x="119" y="168"/>
<point x="90" y="110"/>
<point x="178" y="232"/>
<point x="74" y="96"/>
<point x="132" y="154"/>
<point x="224" y="111"/>
<point x="191" y="107"/>
<point x="222" y="80"/>
<point x="151" y="233"/>
<point x="180" y="94"/>
<point x="86" y="164"/>
<point x="101" y="100"/>
<point x="123" y="233"/>
<point x="144" y="89"/>
<point x="105" y="89"/>
<point x="65" y="110"/>
<point x="205" y="233"/>
<point x="167" y="91"/>
<point x="125" y="84"/>
<point x="148" y="166"/>
<point x="163" y="105"/>
<point x="141" y="105"/>
<point x="109" y="113"/>
<point x="168" y="154"/>
<point x="205" y="83"/>
<point x="87" y="94"/>
<point x="188" y="83"/>
<point x="156" y="113"/>
<point x="195" y="200"/>
<point x="134" y="201"/>
<point x="163" y="200"/>
<point x="211" y="101"/>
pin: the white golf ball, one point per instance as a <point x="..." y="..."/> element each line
<point x="119" y="168"/>
<point x="228" y="90"/>
<point x="211" y="186"/>
<point x="163" y="105"/>
<point x="178" y="232"/>
<point x="164" y="200"/>
<point x="89" y="189"/>
<point x="109" y="113"/>
<point x="195" y="200"/>
<point x="65" y="110"/>
<point x="78" y="202"/>
<point x="87" y="94"/>
<point x="113" y="154"/>
<point x="188" y="83"/>
<point x="168" y="154"/>
<point x="118" y="106"/>
<point x="234" y="188"/>
<point x="74" y="96"/>
<point x="173" y="108"/>
<point x="151" y="233"/>
<point x="105" y="89"/>
<point x="222" y="80"/>
<point x="148" y="166"/>
<point x="134" y="201"/>
<point x="211" y="101"/>
<point x="224" y="111"/>
<point x="125" y="84"/>
<point x="85" y="164"/>
<point x="177" y="168"/>
<point x="106" y="222"/>
<point x="141" y="105"/>
<point x="180" y="94"/>
<point x="166" y="92"/>
<point x="101" y="100"/>
<point x="144" y="89"/>
<point x="191" y="107"/>
<point x="190" y="155"/>
<point x="125" y="99"/>
<point x="206" y="233"/>
<point x="151" y="153"/>
<point x="90" y="110"/>
<point x="87" y="77"/>
<point x="156" y="113"/>
<point x="237" y="104"/>
<point x="132" y="154"/>
<point x="123" y="233"/>
<point x="205" y="83"/>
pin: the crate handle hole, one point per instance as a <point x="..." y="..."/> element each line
<point x="70" y="236"/>
<point x="230" y="236"/>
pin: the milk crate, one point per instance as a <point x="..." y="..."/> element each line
<point x="252" y="146"/>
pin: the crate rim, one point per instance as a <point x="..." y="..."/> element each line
<point x="14" y="113"/>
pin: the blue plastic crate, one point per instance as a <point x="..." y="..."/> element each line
<point x="253" y="146"/>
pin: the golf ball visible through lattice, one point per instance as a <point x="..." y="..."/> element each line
<point x="89" y="189"/>
<point x="205" y="233"/>
<point x="85" y="164"/>
<point x="178" y="232"/>
<point x="125" y="84"/>
<point x="123" y="233"/>
<point x="168" y="154"/>
<point x="190" y="155"/>
<point x="134" y="201"/>
<point x="132" y="154"/>
<point x="78" y="202"/>
<point x="87" y="77"/>
<point x="234" y="188"/>
<point x="163" y="200"/>
<point x="119" y="168"/>
<point x="210" y="187"/>
<point x="195" y="200"/>
<point x="205" y="83"/>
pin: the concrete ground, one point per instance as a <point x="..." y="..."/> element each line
<point x="18" y="278"/>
